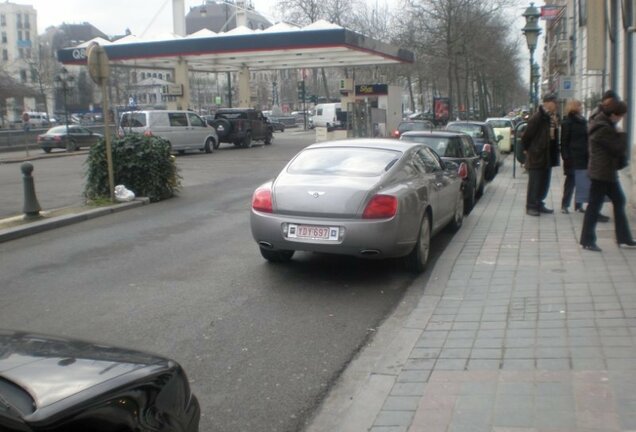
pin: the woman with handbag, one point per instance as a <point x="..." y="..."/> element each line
<point x="608" y="149"/>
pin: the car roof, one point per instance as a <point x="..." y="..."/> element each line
<point x="476" y="123"/>
<point x="499" y="118"/>
<point x="377" y="143"/>
<point x="435" y="133"/>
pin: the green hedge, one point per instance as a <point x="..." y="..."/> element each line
<point x="141" y="163"/>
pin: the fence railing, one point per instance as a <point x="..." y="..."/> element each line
<point x="17" y="139"/>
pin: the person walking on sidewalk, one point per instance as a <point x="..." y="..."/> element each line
<point x="539" y="143"/>
<point x="574" y="153"/>
<point x="608" y="154"/>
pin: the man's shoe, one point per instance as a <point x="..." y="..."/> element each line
<point x="629" y="244"/>
<point x="603" y="218"/>
<point x="565" y="210"/>
<point x="593" y="248"/>
<point x="545" y="210"/>
<point x="532" y="212"/>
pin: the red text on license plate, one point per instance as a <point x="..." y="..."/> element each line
<point x="312" y="232"/>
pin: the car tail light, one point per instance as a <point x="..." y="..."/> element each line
<point x="487" y="148"/>
<point x="57" y="138"/>
<point x="148" y="133"/>
<point x="381" y="207"/>
<point x="262" y="199"/>
<point x="396" y="134"/>
<point x="462" y="171"/>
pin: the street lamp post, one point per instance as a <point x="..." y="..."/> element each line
<point x="63" y="82"/>
<point x="531" y="31"/>
<point x="536" y="76"/>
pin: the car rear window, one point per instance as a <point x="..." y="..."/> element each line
<point x="344" y="161"/>
<point x="500" y="123"/>
<point x="438" y="144"/>
<point x="133" y="120"/>
<point x="414" y="126"/>
<point x="232" y="115"/>
<point x="474" y="131"/>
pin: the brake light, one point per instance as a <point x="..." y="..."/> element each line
<point x="462" y="172"/>
<point x="262" y="200"/>
<point x="396" y="133"/>
<point x="487" y="148"/>
<point x="380" y="207"/>
<point x="148" y="133"/>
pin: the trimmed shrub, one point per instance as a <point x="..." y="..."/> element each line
<point x="141" y="163"/>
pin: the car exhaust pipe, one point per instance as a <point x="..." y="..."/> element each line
<point x="369" y="252"/>
<point x="265" y="244"/>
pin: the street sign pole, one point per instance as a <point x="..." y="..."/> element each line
<point x="99" y="71"/>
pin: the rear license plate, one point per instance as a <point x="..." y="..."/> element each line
<point x="312" y="232"/>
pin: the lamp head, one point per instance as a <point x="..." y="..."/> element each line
<point x="532" y="30"/>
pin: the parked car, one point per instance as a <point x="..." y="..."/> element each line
<point x="485" y="140"/>
<point x="369" y="198"/>
<point x="276" y="126"/>
<point x="412" y="125"/>
<point x="58" y="385"/>
<point x="184" y="130"/>
<point x="326" y="115"/>
<point x="77" y="137"/>
<point x="37" y="119"/>
<point x="505" y="127"/>
<point x="242" y="126"/>
<point x="456" y="147"/>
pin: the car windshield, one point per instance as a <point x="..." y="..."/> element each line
<point x="473" y="130"/>
<point x="437" y="144"/>
<point x="500" y="123"/>
<point x="344" y="161"/>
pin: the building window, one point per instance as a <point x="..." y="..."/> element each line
<point x="160" y="76"/>
<point x="4" y="37"/>
<point x="19" y="20"/>
<point x="143" y="75"/>
<point x="20" y="53"/>
<point x="34" y="75"/>
<point x="133" y="77"/>
<point x="27" y="52"/>
<point x="19" y="35"/>
<point x="5" y="55"/>
<point x="3" y="20"/>
<point x="26" y="22"/>
<point x="27" y="35"/>
<point x="167" y="77"/>
<point x="23" y="76"/>
<point x="154" y="75"/>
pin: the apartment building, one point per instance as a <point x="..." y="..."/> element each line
<point x="18" y="40"/>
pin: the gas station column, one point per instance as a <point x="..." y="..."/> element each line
<point x="245" y="98"/>
<point x="181" y="76"/>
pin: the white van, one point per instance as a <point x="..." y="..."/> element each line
<point x="38" y="119"/>
<point x="326" y="115"/>
<point x="184" y="129"/>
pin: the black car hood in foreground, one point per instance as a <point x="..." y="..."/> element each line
<point x="55" y="384"/>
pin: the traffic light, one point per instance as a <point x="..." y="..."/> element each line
<point x="301" y="90"/>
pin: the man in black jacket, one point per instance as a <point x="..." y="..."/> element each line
<point x="539" y="143"/>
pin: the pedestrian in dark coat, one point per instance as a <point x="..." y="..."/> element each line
<point x="608" y="150"/>
<point x="539" y="142"/>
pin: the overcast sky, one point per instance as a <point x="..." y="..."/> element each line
<point x="113" y="17"/>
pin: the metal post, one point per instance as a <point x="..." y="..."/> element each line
<point x="31" y="206"/>
<point x="531" y="93"/>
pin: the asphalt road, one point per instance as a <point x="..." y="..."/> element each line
<point x="261" y="343"/>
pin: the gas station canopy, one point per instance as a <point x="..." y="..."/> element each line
<point x="281" y="46"/>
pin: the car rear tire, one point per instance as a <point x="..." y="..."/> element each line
<point x="274" y="255"/>
<point x="268" y="138"/>
<point x="480" y="190"/>
<point x="458" y="216"/>
<point x="418" y="258"/>
<point x="247" y="141"/>
<point x="209" y="145"/>
<point x="47" y="150"/>
<point x="469" y="202"/>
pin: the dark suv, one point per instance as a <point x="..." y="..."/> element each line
<point x="241" y="126"/>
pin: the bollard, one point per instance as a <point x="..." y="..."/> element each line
<point x="31" y="207"/>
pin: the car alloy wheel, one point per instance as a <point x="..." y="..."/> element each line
<point x="418" y="258"/>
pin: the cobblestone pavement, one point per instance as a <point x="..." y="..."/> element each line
<point x="519" y="329"/>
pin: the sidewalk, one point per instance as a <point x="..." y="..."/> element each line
<point x="519" y="329"/>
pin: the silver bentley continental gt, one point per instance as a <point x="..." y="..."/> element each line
<point x="370" y="198"/>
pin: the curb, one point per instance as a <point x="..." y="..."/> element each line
<point x="41" y="156"/>
<point x="61" y="221"/>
